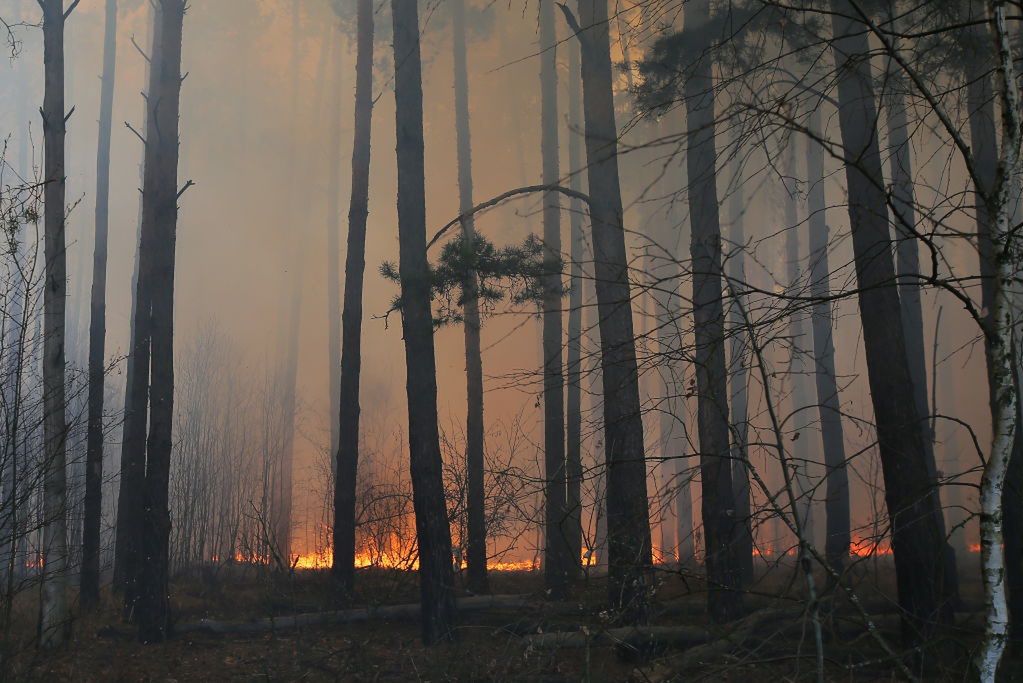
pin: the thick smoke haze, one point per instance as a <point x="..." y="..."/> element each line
<point x="256" y="128"/>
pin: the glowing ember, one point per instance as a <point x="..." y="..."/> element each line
<point x="868" y="547"/>
<point x="394" y="560"/>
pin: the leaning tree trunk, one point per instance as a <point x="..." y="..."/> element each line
<point x="836" y="493"/>
<point x="436" y="579"/>
<point x="89" y="587"/>
<point x="136" y="408"/>
<point x="162" y="152"/>
<point x="739" y="377"/>
<point x="54" y="608"/>
<point x="556" y="563"/>
<point x="351" y="318"/>
<point x="573" y="399"/>
<point x="719" y="529"/>
<point x="912" y="505"/>
<point x="628" y="515"/>
<point x="476" y="523"/>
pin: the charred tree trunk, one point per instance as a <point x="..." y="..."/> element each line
<point x="556" y="563"/>
<point x="719" y="528"/>
<point x="89" y="587"/>
<point x="913" y="508"/>
<point x="476" y="523"/>
<point x="907" y="267"/>
<point x="162" y="152"/>
<point x="136" y="408"/>
<point x="836" y="494"/>
<point x="573" y="400"/>
<point x="436" y="579"/>
<point x="54" y="622"/>
<point x="628" y="515"/>
<point x="351" y="317"/>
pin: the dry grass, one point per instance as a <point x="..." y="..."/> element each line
<point x="488" y="646"/>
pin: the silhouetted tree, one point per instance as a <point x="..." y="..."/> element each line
<point x="97" y="330"/>
<point x="436" y="578"/>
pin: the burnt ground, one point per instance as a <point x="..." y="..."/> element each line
<point x="491" y="645"/>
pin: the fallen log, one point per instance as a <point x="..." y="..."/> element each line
<point x="349" y="616"/>
<point x="640" y="638"/>
<point x="746" y="631"/>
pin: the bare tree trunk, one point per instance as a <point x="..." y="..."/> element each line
<point x="836" y="494"/>
<point x="436" y="579"/>
<point x="912" y="506"/>
<point x="54" y="610"/>
<point x="628" y="515"/>
<point x="739" y="377"/>
<point x="162" y="151"/>
<point x="557" y="562"/>
<point x="907" y="266"/>
<point x="351" y="319"/>
<point x="719" y="528"/>
<point x="999" y="267"/>
<point x="980" y="104"/>
<point x="573" y="400"/>
<point x="476" y="523"/>
<point x="136" y="408"/>
<point x="97" y="331"/>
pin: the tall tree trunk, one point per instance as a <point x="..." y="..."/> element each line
<point x="54" y="610"/>
<point x="999" y="518"/>
<point x="476" y="523"/>
<point x="912" y="505"/>
<point x="573" y="399"/>
<point x="98" y="328"/>
<point x="907" y="266"/>
<point x="719" y="528"/>
<point x="836" y="493"/>
<point x="557" y="562"/>
<point x="628" y="515"/>
<point x="739" y="376"/>
<point x="162" y="152"/>
<point x="351" y="318"/>
<point x="136" y="408"/>
<point x="980" y="107"/>
<point x="436" y="579"/>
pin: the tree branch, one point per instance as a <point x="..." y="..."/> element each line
<point x="529" y="189"/>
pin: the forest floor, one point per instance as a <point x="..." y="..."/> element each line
<point x="491" y="645"/>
